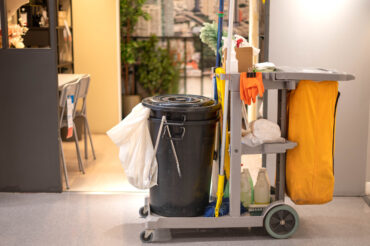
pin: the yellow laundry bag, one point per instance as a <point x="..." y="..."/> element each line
<point x="311" y="123"/>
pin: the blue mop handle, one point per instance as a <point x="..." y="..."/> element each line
<point x="219" y="32"/>
<point x="219" y="39"/>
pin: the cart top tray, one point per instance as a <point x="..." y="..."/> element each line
<point x="316" y="74"/>
<point x="296" y="74"/>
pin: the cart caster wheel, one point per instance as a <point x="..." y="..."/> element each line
<point x="146" y="237"/>
<point x="143" y="211"/>
<point x="281" y="222"/>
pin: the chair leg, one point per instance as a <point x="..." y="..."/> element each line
<point x="63" y="162"/>
<point x="91" y="143"/>
<point x="78" y="150"/>
<point x="85" y="139"/>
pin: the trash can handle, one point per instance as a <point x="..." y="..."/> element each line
<point x="163" y="124"/>
<point x="177" y="138"/>
<point x="181" y="123"/>
<point x="174" y="150"/>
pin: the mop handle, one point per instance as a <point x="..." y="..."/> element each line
<point x="229" y="35"/>
<point x="226" y="97"/>
<point x="219" y="32"/>
<point x="224" y="126"/>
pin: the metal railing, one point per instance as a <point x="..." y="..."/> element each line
<point x="206" y="59"/>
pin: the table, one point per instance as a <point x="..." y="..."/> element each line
<point x="65" y="78"/>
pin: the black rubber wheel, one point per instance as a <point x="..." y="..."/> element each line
<point x="143" y="212"/>
<point x="145" y="239"/>
<point x="281" y="222"/>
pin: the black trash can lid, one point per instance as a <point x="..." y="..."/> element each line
<point x="181" y="102"/>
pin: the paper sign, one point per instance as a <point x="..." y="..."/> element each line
<point x="70" y="106"/>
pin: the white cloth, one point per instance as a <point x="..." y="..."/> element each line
<point x="245" y="43"/>
<point x="262" y="131"/>
<point x="132" y="136"/>
<point x="265" y="67"/>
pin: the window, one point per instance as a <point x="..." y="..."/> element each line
<point x="28" y="24"/>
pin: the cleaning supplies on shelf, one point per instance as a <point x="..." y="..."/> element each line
<point x="242" y="54"/>
<point x="262" y="131"/>
<point x="251" y="85"/>
<point x="209" y="35"/>
<point x="241" y="42"/>
<point x="262" y="188"/>
<point x="246" y="188"/>
<point x="265" y="67"/>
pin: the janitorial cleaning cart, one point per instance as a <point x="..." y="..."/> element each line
<point x="279" y="219"/>
<point x="183" y="129"/>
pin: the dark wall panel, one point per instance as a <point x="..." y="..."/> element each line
<point x="29" y="155"/>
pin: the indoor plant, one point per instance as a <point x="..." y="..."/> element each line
<point x="130" y="12"/>
<point x="157" y="71"/>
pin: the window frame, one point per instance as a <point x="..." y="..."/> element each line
<point x="4" y="29"/>
<point x="4" y="25"/>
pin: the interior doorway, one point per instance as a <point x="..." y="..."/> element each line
<point x="181" y="36"/>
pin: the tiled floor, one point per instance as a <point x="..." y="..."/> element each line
<point x="105" y="174"/>
<point x="101" y="208"/>
<point x="72" y="218"/>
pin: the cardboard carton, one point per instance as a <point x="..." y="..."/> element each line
<point x="244" y="56"/>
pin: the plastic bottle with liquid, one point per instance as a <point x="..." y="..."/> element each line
<point x="262" y="188"/>
<point x="246" y="188"/>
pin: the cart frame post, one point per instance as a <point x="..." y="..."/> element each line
<point x="235" y="146"/>
<point x="280" y="158"/>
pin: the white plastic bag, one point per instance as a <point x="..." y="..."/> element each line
<point x="132" y="136"/>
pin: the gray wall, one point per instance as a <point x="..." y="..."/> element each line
<point x="332" y="34"/>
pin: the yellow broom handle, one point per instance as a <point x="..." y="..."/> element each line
<point x="220" y="193"/>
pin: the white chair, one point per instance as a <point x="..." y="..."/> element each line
<point x="70" y="89"/>
<point x="82" y="94"/>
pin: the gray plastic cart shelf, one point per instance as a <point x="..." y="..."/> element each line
<point x="154" y="221"/>
<point x="227" y="221"/>
<point x="268" y="148"/>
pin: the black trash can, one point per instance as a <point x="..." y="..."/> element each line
<point x="192" y="123"/>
